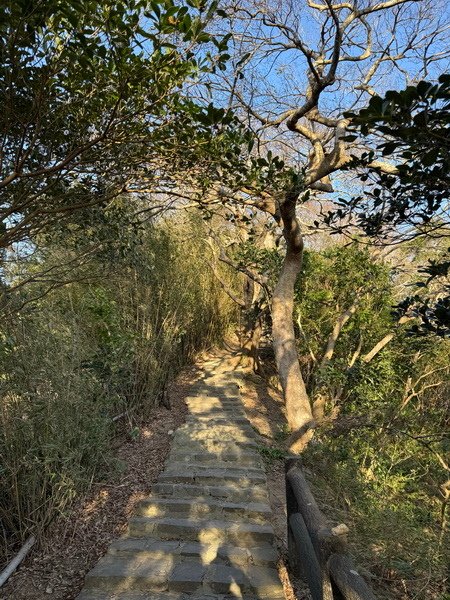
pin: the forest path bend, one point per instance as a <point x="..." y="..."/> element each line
<point x="204" y="533"/>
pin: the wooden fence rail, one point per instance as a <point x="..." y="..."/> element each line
<point x="316" y="551"/>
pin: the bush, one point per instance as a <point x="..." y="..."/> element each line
<point x="89" y="351"/>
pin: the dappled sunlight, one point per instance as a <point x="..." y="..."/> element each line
<point x="205" y="527"/>
<point x="147" y="433"/>
<point x="95" y="504"/>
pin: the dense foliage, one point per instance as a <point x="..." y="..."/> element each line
<point x="94" y="96"/>
<point x="90" y="351"/>
<point x="411" y="128"/>
<point x="379" y="455"/>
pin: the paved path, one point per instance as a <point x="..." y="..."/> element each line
<point x="204" y="533"/>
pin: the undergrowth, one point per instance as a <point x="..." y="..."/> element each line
<point x="73" y="360"/>
<point x="381" y="488"/>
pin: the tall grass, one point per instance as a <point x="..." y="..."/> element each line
<point x="88" y="352"/>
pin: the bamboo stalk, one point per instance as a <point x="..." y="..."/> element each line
<point x="12" y="566"/>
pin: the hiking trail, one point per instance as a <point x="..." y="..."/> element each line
<point x="204" y="533"/>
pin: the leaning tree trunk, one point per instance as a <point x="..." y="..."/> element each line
<point x="298" y="407"/>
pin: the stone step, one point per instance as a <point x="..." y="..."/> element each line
<point x="205" y="400"/>
<point x="212" y="446"/>
<point x="218" y="509"/>
<point x="243" y="458"/>
<point x="208" y="476"/>
<point x="241" y="582"/>
<point x="209" y="461"/>
<point x="219" y="429"/>
<point x="150" y="548"/>
<point x="199" y="404"/>
<point x="263" y="582"/>
<point x="222" y="468"/>
<point x="213" y="438"/>
<point x="210" y="410"/>
<point x="214" y="398"/>
<point x="204" y="531"/>
<point x="212" y="421"/>
<point x="233" y="493"/>
<point x="209" y="396"/>
<point x="208" y="422"/>
<point x="218" y="387"/>
<point x="127" y="573"/>
<point x="217" y="412"/>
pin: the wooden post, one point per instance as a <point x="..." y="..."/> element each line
<point x="347" y="579"/>
<point x="308" y="559"/>
<point x="323" y="539"/>
<point x="315" y="551"/>
<point x="319" y="539"/>
<point x="292" y="508"/>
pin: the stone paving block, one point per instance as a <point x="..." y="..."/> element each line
<point x="130" y="573"/>
<point x="264" y="555"/>
<point x="187" y="577"/>
<point x="260" y="581"/>
<point x="144" y="546"/>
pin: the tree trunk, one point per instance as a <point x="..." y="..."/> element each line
<point x="298" y="407"/>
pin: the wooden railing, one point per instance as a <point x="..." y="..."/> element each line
<point x="317" y="551"/>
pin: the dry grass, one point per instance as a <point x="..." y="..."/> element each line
<point x="73" y="544"/>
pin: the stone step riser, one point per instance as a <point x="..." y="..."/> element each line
<point x="208" y="535"/>
<point x="232" y="494"/>
<point x="230" y="416"/>
<point x="218" y="472"/>
<point x="208" y="436"/>
<point x="212" y="399"/>
<point x="228" y="408"/>
<point x="201" y="421"/>
<point x="200" y="470"/>
<point x="218" y="420"/>
<point x="195" y="510"/>
<point x="240" y="432"/>
<point x="216" y="412"/>
<point x="143" y="549"/>
<point x="186" y="462"/>
<point x="212" y="442"/>
<point x="97" y="594"/>
<point x="252" y="460"/>
<point x="183" y="558"/>
<point x="168" y="477"/>
<point x="208" y="532"/>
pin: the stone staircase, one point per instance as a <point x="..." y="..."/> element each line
<point x="204" y="533"/>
